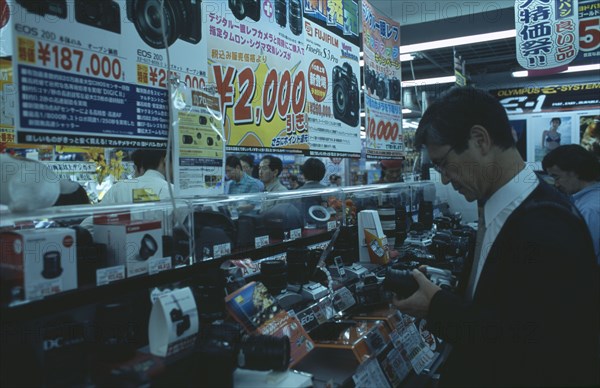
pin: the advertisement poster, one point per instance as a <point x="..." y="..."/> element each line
<point x="7" y="104"/>
<point x="549" y="98"/>
<point x="547" y="132"/>
<point x="255" y="54"/>
<point x="333" y="76"/>
<point x="589" y="32"/>
<point x="381" y="45"/>
<point x="589" y="132"/>
<point x="85" y="80"/>
<point x="547" y="33"/>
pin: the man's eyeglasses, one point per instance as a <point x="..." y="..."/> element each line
<point x="440" y="165"/>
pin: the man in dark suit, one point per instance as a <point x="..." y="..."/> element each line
<point x="527" y="313"/>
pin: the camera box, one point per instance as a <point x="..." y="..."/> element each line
<point x="38" y="262"/>
<point x="130" y="243"/>
<point x="373" y="245"/>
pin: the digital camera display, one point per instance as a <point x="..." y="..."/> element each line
<point x="345" y="95"/>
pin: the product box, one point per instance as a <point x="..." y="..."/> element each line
<point x="373" y="245"/>
<point x="38" y="262"/>
<point x="130" y="243"/>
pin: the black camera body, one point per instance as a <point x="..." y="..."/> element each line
<point x="104" y="14"/>
<point x="381" y="87"/>
<point x="56" y="8"/>
<point x="450" y="243"/>
<point x="370" y="79"/>
<point x="394" y="89"/>
<point x="346" y="103"/>
<point x="403" y="284"/>
<point x="295" y="16"/>
<point x="280" y="12"/>
<point x="243" y="8"/>
<point x="183" y="20"/>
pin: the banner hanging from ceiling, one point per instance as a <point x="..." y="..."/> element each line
<point x="383" y="111"/>
<point x="547" y="33"/>
<point x="333" y="74"/>
<point x="589" y="32"/>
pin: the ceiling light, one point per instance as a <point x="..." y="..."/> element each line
<point x="479" y="38"/>
<point x="429" y="81"/>
<point x="362" y="114"/>
<point x="570" y="69"/>
<point x="406" y="111"/>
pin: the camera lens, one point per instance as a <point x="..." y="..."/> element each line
<point x="262" y="352"/>
<point x="295" y="17"/>
<point x="401" y="282"/>
<point x="274" y="275"/>
<point x="280" y="13"/>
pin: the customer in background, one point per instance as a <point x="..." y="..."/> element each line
<point x="295" y="182"/>
<point x="526" y="313"/>
<point x="248" y="165"/>
<point x="391" y="171"/>
<point x="313" y="170"/>
<point x="150" y="182"/>
<point x="269" y="169"/>
<point x="239" y="182"/>
<point x="335" y="180"/>
<point x="71" y="193"/>
<point x="576" y="172"/>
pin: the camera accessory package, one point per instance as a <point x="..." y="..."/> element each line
<point x="173" y="323"/>
<point x="130" y="243"/>
<point x="38" y="262"/>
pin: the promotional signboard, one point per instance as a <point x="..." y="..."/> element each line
<point x="333" y="77"/>
<point x="102" y="81"/>
<point x="547" y="33"/>
<point x="381" y="46"/>
<point x="255" y="53"/>
<point x="589" y="32"/>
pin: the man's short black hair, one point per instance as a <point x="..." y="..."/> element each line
<point x="574" y="158"/>
<point x="449" y="119"/>
<point x="148" y="159"/>
<point x="233" y="161"/>
<point x="313" y="169"/>
<point x="248" y="159"/>
<point x="274" y="163"/>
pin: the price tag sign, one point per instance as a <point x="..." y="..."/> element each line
<point x="343" y="299"/>
<point x="331" y="225"/>
<point x="158" y="265"/>
<point x="110" y="274"/>
<point x="261" y="241"/>
<point x="295" y="234"/>
<point x="221" y="250"/>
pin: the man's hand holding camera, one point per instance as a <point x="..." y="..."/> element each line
<point x="418" y="303"/>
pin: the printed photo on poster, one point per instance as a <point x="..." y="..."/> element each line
<point x="549" y="132"/>
<point x="589" y="132"/>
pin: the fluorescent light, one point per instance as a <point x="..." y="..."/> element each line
<point x="411" y="48"/>
<point x="361" y="62"/>
<point x="429" y="81"/>
<point x="405" y="110"/>
<point x="362" y="114"/>
<point x="571" y="69"/>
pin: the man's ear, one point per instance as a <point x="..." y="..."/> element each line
<point x="481" y="139"/>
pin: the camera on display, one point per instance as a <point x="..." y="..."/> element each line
<point x="243" y="8"/>
<point x="381" y="87"/>
<point x="104" y="14"/>
<point x="295" y="17"/>
<point x="403" y="284"/>
<point x="345" y="95"/>
<point x="395" y="89"/>
<point x="370" y="79"/>
<point x="280" y="12"/>
<point x="56" y="8"/>
<point x="222" y="348"/>
<point x="182" y="21"/>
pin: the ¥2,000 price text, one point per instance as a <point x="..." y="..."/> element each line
<point x="279" y="92"/>
<point x="71" y="59"/>
<point x="383" y="130"/>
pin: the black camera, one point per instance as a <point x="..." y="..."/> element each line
<point x="222" y="348"/>
<point x="370" y="79"/>
<point x="381" y="87"/>
<point x="182" y="19"/>
<point x="395" y="89"/>
<point x="56" y="8"/>
<point x="280" y="13"/>
<point x="104" y="14"/>
<point x="295" y="17"/>
<point x="403" y="284"/>
<point x="345" y="95"/>
<point x="243" y="8"/>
